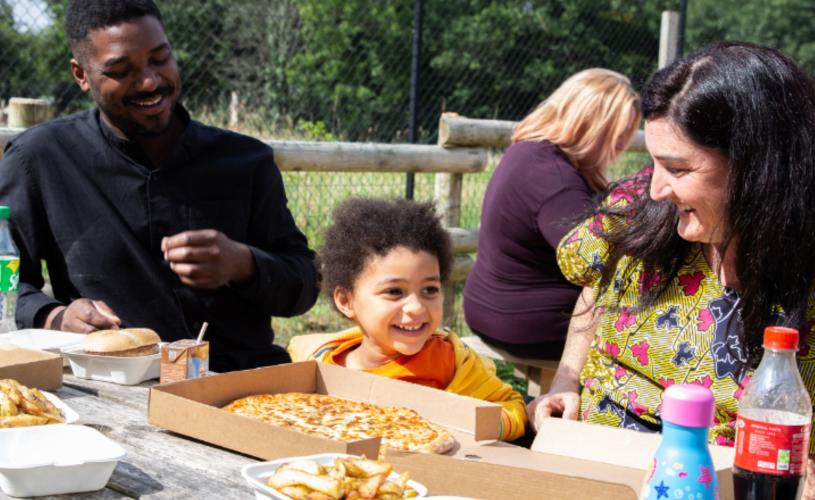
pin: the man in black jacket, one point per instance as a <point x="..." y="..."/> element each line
<point x="145" y="217"/>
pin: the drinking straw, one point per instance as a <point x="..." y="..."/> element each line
<point x="201" y="333"/>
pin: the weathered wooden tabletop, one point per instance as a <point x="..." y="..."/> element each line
<point x="159" y="463"/>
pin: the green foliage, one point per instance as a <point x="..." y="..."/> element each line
<point x="315" y="131"/>
<point x="499" y="59"/>
<point x="783" y="24"/>
<point x="238" y="46"/>
<point x="353" y="73"/>
<point x="506" y="372"/>
<point x="480" y="57"/>
<point x="34" y="63"/>
<point x="345" y="64"/>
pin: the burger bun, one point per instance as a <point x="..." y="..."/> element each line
<point x="125" y="342"/>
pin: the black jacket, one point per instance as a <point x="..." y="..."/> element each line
<point x="89" y="204"/>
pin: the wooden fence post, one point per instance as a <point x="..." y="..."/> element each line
<point x="234" y="110"/>
<point x="24" y="113"/>
<point x="668" y="34"/>
<point x="448" y="204"/>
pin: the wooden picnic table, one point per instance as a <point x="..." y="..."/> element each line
<point x="159" y="463"/>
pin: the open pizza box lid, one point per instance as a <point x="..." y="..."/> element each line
<point x="193" y="408"/>
<point x="568" y="459"/>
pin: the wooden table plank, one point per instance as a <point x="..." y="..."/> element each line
<point x="159" y="464"/>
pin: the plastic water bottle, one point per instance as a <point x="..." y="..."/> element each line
<point x="682" y="466"/>
<point x="9" y="273"/>
<point x="773" y="424"/>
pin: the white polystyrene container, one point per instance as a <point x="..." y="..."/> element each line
<point x="42" y="340"/>
<point x="257" y="475"/>
<point x="67" y="412"/>
<point x="124" y="370"/>
<point x="55" y="459"/>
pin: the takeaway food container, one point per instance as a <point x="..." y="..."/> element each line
<point x="68" y="413"/>
<point x="258" y="474"/>
<point x="42" y="340"/>
<point x="55" y="459"/>
<point x="124" y="370"/>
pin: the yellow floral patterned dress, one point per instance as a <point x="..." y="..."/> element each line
<point x="692" y="334"/>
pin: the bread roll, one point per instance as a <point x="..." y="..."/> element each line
<point x="123" y="342"/>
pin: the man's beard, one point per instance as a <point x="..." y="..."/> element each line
<point x="165" y="91"/>
<point x="147" y="133"/>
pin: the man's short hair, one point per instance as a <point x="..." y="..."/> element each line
<point x="84" y="16"/>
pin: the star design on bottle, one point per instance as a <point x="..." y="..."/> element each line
<point x="662" y="490"/>
<point x="705" y="477"/>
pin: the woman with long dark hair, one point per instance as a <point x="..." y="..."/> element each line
<point x="689" y="260"/>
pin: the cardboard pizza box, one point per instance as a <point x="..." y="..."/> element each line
<point x="568" y="459"/>
<point x="192" y="408"/>
<point x="39" y="369"/>
<point x="610" y="454"/>
<point x="516" y="478"/>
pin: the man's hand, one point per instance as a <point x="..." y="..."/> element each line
<point x="208" y="259"/>
<point x="563" y="403"/>
<point x="83" y="316"/>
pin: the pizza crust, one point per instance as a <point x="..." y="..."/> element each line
<point x="345" y="420"/>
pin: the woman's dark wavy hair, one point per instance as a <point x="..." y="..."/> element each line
<point x="365" y="228"/>
<point x="756" y="107"/>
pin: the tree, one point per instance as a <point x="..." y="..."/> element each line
<point x="482" y="58"/>
<point x="782" y="24"/>
<point x="354" y="69"/>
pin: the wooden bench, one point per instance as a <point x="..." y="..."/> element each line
<point x="537" y="372"/>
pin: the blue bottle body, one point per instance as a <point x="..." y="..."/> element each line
<point x="682" y="467"/>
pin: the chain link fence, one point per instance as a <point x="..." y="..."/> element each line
<point x="341" y="70"/>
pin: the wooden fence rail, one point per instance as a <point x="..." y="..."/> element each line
<point x="459" y="131"/>
<point x="368" y="157"/>
<point x="355" y="157"/>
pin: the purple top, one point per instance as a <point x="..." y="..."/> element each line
<point x="688" y="405"/>
<point x="515" y="292"/>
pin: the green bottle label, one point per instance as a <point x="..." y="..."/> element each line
<point x="9" y="274"/>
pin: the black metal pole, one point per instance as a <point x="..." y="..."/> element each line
<point x="415" y="97"/>
<point x="680" y="39"/>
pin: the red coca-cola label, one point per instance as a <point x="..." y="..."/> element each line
<point x="770" y="448"/>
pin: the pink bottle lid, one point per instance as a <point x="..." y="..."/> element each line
<point x="688" y="405"/>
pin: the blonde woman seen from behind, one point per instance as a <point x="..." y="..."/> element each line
<point x="515" y="297"/>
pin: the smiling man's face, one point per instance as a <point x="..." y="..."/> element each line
<point x="130" y="71"/>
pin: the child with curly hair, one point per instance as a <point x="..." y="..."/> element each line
<point x="383" y="263"/>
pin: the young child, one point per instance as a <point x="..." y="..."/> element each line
<point x="383" y="263"/>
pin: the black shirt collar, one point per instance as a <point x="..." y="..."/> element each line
<point x="133" y="151"/>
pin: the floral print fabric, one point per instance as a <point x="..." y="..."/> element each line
<point x="692" y="334"/>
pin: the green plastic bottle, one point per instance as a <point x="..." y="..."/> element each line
<point x="9" y="273"/>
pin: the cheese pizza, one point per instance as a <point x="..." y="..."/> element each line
<point x="344" y="420"/>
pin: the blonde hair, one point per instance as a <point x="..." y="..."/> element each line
<point x="586" y="117"/>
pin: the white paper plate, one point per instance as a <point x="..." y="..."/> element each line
<point x="42" y="340"/>
<point x="130" y="370"/>
<point x="55" y="459"/>
<point x="258" y="474"/>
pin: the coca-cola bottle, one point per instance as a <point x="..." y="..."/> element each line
<point x="773" y="423"/>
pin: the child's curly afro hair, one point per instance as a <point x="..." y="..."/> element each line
<point x="364" y="228"/>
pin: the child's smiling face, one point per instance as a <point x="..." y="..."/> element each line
<point x="396" y="301"/>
